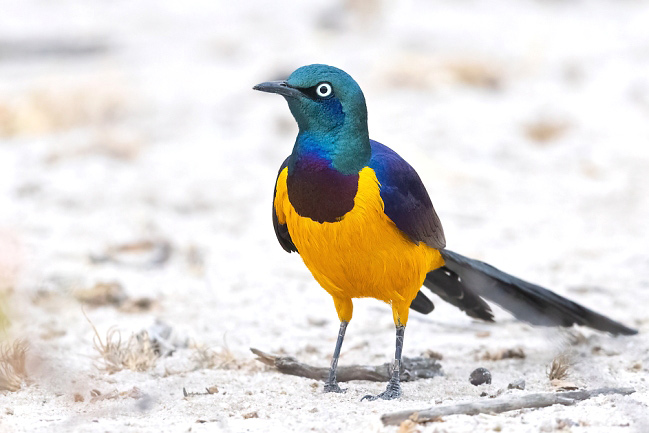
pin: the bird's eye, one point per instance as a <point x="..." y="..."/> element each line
<point x="323" y="90"/>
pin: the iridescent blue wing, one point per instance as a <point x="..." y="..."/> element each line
<point x="405" y="198"/>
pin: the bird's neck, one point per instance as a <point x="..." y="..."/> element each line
<point x="323" y="175"/>
<point x="346" y="149"/>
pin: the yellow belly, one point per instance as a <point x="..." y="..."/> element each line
<point x="362" y="255"/>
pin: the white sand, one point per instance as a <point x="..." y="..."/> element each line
<point x="161" y="137"/>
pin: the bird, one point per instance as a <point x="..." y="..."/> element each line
<point x="362" y="221"/>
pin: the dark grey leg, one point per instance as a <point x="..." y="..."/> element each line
<point x="331" y="385"/>
<point x="393" y="390"/>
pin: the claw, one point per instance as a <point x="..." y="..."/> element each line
<point x="393" y="391"/>
<point x="333" y="387"/>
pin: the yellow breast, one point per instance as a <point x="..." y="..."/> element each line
<point x="362" y="255"/>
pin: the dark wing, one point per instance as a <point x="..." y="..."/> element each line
<point x="281" y="230"/>
<point x="526" y="301"/>
<point x="405" y="198"/>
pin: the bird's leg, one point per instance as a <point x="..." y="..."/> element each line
<point x="393" y="390"/>
<point x="331" y="385"/>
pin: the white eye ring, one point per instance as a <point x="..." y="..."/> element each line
<point x="323" y="89"/>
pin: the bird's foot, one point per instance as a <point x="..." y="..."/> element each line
<point x="333" y="387"/>
<point x="393" y="391"/>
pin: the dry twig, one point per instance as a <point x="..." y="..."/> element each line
<point x="504" y="404"/>
<point x="208" y="391"/>
<point x="412" y="369"/>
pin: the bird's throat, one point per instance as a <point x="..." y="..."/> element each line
<point x="319" y="192"/>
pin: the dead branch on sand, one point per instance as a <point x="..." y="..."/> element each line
<point x="412" y="369"/>
<point x="504" y="404"/>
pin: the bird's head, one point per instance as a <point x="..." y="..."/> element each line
<point x="323" y="100"/>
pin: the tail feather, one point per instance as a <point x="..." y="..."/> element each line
<point x="422" y="304"/>
<point x="526" y="301"/>
<point x="447" y="285"/>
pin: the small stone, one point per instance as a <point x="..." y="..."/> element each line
<point x="517" y="384"/>
<point x="78" y="398"/>
<point x="9" y="411"/>
<point x="249" y="415"/>
<point x="480" y="376"/>
<point x="212" y="390"/>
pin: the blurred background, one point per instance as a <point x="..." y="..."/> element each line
<point x="137" y="165"/>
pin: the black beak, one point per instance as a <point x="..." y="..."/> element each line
<point x="279" y="87"/>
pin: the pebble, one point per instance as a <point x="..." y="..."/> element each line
<point x="480" y="376"/>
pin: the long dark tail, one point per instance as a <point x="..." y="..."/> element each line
<point x="466" y="283"/>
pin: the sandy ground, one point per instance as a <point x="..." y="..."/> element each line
<point x="136" y="175"/>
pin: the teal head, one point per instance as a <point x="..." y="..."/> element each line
<point x="329" y="108"/>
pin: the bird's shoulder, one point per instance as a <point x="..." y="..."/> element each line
<point x="404" y="195"/>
